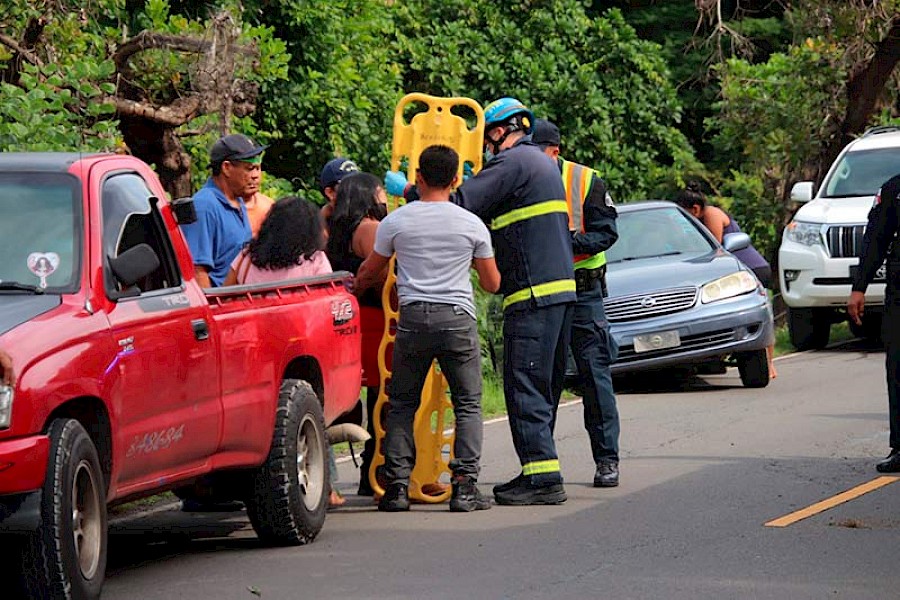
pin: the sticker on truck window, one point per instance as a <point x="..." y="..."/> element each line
<point x="43" y="264"/>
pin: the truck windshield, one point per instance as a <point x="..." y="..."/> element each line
<point x="40" y="232"/>
<point x="861" y="173"/>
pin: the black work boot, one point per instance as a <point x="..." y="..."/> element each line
<point x="607" y="474"/>
<point x="891" y="464"/>
<point x="395" y="499"/>
<point x="525" y="494"/>
<point x="466" y="496"/>
<point x="504" y="487"/>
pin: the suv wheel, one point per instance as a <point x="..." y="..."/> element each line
<point x="809" y="328"/>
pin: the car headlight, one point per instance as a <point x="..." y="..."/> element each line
<point x="808" y="234"/>
<point x="729" y="286"/>
<point x="6" y="399"/>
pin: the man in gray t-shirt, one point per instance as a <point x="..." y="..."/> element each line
<point x="436" y="243"/>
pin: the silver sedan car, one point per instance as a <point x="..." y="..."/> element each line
<point x="678" y="298"/>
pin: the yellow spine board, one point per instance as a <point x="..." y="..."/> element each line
<point x="433" y="429"/>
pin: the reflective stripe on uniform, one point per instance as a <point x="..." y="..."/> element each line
<point x="542" y="289"/>
<point x="527" y="212"/>
<point x="592" y="262"/>
<point x="541" y="466"/>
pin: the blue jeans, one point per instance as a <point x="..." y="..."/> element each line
<point x="595" y="351"/>
<point x="428" y="331"/>
<point x="534" y="361"/>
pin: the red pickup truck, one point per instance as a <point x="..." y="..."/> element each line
<point x="131" y="379"/>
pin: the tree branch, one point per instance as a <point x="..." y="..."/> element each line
<point x="174" y="115"/>
<point x="14" y="45"/>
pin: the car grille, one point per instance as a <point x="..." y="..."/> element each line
<point x="652" y="304"/>
<point x="844" y="241"/>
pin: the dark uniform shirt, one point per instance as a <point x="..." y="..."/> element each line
<point x="531" y="250"/>
<point x="879" y="240"/>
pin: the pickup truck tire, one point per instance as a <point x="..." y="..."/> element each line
<point x="809" y="328"/>
<point x="66" y="556"/>
<point x="290" y="490"/>
<point x="753" y="368"/>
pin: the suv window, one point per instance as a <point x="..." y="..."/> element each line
<point x="862" y="172"/>
<point x="130" y="217"/>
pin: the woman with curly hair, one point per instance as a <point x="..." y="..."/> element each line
<point x="289" y="246"/>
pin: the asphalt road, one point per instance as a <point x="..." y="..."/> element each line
<point x="705" y="465"/>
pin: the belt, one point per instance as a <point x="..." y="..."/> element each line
<point x="588" y="279"/>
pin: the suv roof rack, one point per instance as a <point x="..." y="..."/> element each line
<point x="880" y="129"/>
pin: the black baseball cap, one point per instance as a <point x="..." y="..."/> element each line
<point x="335" y="170"/>
<point x="545" y="133"/>
<point x="236" y="147"/>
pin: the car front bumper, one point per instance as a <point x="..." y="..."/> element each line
<point x="706" y="332"/>
<point x="820" y="281"/>
<point x="23" y="465"/>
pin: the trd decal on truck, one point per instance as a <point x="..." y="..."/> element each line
<point x="341" y="311"/>
<point x="167" y="302"/>
<point x="154" y="441"/>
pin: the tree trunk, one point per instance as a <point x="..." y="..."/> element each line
<point x="864" y="91"/>
<point x="158" y="145"/>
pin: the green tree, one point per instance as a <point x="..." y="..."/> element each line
<point x="608" y="91"/>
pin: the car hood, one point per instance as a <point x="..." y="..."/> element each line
<point x="16" y="309"/>
<point x="836" y="210"/>
<point x="664" y="272"/>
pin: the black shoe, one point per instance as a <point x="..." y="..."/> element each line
<point x="466" y="496"/>
<point x="607" y="474"/>
<point x="505" y="487"/>
<point x="891" y="464"/>
<point x="524" y="494"/>
<point x="395" y="499"/>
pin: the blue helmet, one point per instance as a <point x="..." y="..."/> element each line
<point x="509" y="112"/>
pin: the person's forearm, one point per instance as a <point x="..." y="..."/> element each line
<point x="202" y="276"/>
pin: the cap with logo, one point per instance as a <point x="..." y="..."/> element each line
<point x="236" y="147"/>
<point x="335" y="170"/>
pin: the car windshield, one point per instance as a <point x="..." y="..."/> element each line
<point x="655" y="232"/>
<point x="40" y="232"/>
<point x="862" y="172"/>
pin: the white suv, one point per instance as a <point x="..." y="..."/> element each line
<point x="821" y="245"/>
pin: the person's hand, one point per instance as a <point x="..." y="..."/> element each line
<point x="856" y="306"/>
<point x="395" y="183"/>
<point x="9" y="377"/>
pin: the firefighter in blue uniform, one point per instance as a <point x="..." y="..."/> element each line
<point x="882" y="241"/>
<point x="519" y="194"/>
<point x="592" y="222"/>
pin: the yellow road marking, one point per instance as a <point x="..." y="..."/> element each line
<point x="832" y="502"/>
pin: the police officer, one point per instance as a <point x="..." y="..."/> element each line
<point x="880" y="242"/>
<point x="592" y="221"/>
<point x="519" y="195"/>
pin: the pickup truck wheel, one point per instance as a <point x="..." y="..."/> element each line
<point x="809" y="328"/>
<point x="66" y="556"/>
<point x="290" y="490"/>
<point x="753" y="367"/>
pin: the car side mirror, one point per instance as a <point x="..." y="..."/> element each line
<point x="736" y="241"/>
<point x="134" y="264"/>
<point x="183" y="209"/>
<point x="802" y="191"/>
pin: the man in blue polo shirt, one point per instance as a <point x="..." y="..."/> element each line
<point x="223" y="227"/>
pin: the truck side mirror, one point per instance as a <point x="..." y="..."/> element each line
<point x="802" y="191"/>
<point x="736" y="241"/>
<point x="183" y="209"/>
<point x="134" y="264"/>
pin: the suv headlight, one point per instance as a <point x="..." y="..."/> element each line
<point x="6" y="400"/>
<point x="729" y="286"/>
<point x="808" y="234"/>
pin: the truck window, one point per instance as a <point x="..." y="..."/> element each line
<point x="130" y="217"/>
<point x="40" y="230"/>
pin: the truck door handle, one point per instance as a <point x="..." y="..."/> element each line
<point x="201" y="329"/>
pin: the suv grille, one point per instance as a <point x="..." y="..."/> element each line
<point x="652" y="304"/>
<point x="844" y="241"/>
